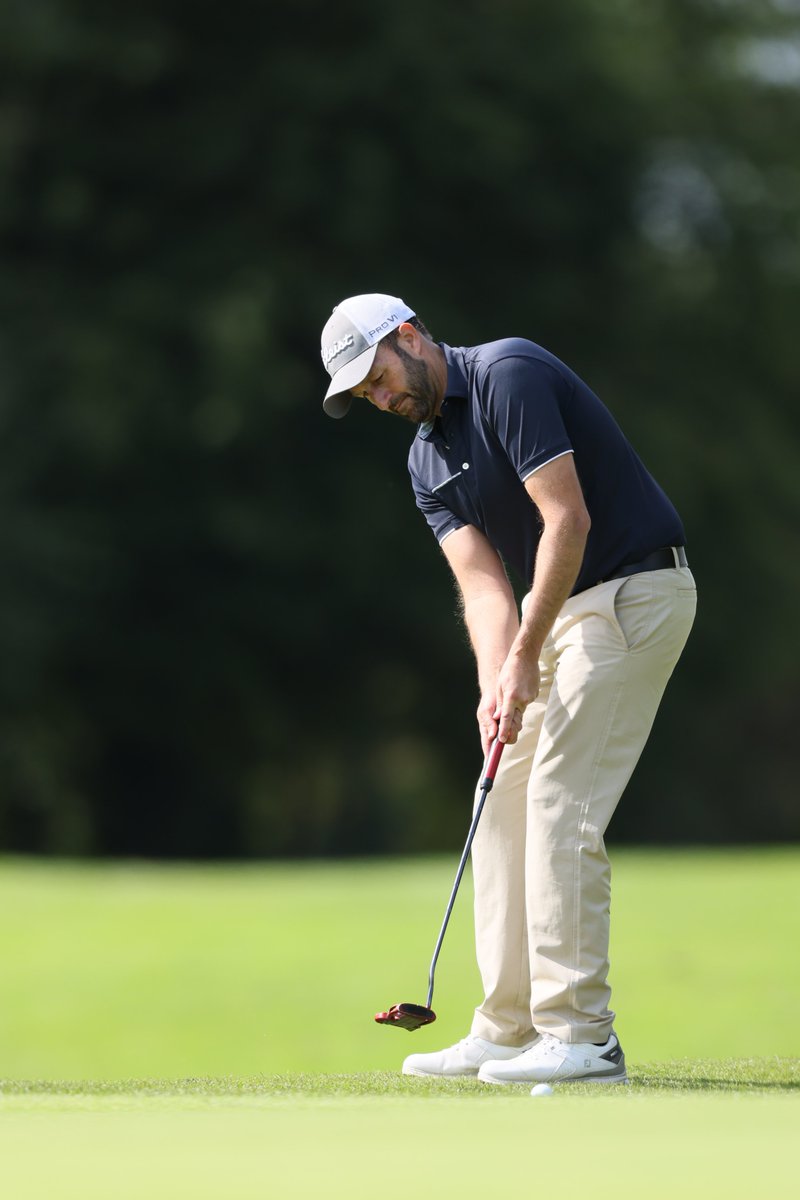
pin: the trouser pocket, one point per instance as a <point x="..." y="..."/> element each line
<point x="648" y="604"/>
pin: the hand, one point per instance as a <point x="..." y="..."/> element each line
<point x="517" y="687"/>
<point x="487" y="722"/>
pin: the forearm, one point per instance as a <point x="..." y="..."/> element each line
<point x="492" y="624"/>
<point x="489" y="610"/>
<point x="558" y="562"/>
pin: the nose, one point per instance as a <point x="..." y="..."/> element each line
<point x="381" y="398"/>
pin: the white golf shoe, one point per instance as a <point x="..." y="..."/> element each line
<point x="550" y="1060"/>
<point x="465" y="1058"/>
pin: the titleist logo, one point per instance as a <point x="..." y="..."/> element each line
<point x="330" y="352"/>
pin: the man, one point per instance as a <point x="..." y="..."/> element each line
<point x="516" y="461"/>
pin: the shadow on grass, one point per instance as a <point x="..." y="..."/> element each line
<point x="768" y="1075"/>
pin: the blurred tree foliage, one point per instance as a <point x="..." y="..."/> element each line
<point x="225" y="629"/>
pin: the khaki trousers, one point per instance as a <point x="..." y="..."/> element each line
<point x="541" y="873"/>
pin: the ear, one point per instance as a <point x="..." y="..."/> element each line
<point x="409" y="336"/>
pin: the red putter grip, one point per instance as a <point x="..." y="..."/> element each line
<point x="493" y="762"/>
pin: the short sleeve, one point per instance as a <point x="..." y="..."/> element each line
<point x="440" y="519"/>
<point x="522" y="400"/>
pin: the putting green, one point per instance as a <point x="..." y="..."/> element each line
<point x="618" y="1145"/>
<point x="248" y="991"/>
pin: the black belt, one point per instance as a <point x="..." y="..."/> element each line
<point x="659" y="560"/>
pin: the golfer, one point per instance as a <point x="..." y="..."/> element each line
<point x="517" y="462"/>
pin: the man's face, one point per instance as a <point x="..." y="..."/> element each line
<point x="400" y="383"/>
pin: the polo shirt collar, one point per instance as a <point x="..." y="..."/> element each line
<point x="456" y="373"/>
<point x="456" y="387"/>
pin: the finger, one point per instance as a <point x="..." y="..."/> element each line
<point x="510" y="724"/>
<point x="488" y="731"/>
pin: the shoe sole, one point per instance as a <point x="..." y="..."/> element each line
<point x="440" y="1074"/>
<point x="553" y="1082"/>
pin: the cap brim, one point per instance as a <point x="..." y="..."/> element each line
<point x="337" y="398"/>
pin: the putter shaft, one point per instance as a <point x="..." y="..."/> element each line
<point x="486" y="786"/>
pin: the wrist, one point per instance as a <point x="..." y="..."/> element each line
<point x="527" y="647"/>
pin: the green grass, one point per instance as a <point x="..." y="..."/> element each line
<point x="766" y="1076"/>
<point x="207" y="1032"/>
<point x="381" y="1136"/>
<point x="113" y="971"/>
<point x="753" y="1075"/>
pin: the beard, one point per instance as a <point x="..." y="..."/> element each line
<point x="418" y="402"/>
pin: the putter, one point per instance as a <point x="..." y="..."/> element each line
<point x="414" y="1016"/>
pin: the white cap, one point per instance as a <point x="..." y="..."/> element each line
<point x="350" y="340"/>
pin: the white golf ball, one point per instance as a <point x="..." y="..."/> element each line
<point x="542" y="1089"/>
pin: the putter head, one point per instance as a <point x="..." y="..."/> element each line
<point x="406" y="1016"/>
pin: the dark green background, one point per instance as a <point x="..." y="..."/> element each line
<point x="224" y="628"/>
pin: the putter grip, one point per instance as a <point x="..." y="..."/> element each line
<point x="492" y="763"/>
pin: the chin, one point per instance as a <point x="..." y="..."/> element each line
<point x="419" y="411"/>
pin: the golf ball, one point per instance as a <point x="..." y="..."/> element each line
<point x="542" y="1089"/>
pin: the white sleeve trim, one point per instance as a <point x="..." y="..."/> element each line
<point x="446" y="535"/>
<point x="544" y="464"/>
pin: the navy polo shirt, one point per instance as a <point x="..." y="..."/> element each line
<point x="511" y="407"/>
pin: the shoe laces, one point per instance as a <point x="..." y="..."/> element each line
<point x="549" y="1041"/>
<point x="470" y="1045"/>
<point x="464" y="1044"/>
